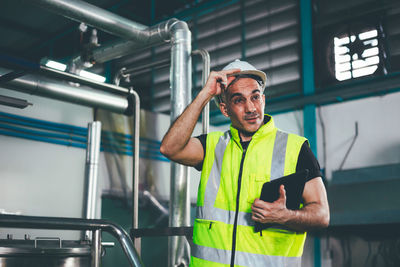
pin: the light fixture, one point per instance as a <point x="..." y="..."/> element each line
<point x="92" y="76"/>
<point x="55" y="65"/>
<point x="83" y="73"/>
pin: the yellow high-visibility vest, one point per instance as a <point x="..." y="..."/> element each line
<point x="231" y="175"/>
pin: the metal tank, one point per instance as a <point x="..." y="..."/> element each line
<point x="41" y="252"/>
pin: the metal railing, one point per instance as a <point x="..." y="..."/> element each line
<point x="96" y="226"/>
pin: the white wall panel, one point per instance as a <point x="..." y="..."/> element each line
<point x="378" y="140"/>
<point x="42" y="179"/>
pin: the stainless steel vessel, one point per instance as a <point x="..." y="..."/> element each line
<point x="44" y="252"/>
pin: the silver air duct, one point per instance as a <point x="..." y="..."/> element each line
<point x="82" y="95"/>
<point x="181" y="84"/>
<point x="91" y="171"/>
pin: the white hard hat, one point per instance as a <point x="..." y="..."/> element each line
<point x="246" y="68"/>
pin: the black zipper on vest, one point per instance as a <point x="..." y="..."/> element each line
<point x="237" y="210"/>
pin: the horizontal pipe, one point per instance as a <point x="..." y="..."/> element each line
<point x="71" y="141"/>
<point x="42" y="86"/>
<point x="157" y="34"/>
<point x="160" y="63"/>
<point x="33" y="222"/>
<point x="37" y="122"/>
<point x="39" y="133"/>
<point x="42" y="139"/>
<point x="135" y="35"/>
<point x="71" y="129"/>
<point x="66" y="140"/>
<point x="94" y="16"/>
<point x="82" y="80"/>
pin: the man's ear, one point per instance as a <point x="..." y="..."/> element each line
<point x="223" y="108"/>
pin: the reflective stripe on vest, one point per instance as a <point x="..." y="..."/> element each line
<point x="278" y="155"/>
<point x="243" y="258"/>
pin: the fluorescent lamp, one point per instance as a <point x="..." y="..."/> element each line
<point x="92" y="76"/>
<point x="62" y="67"/>
<point x="56" y="65"/>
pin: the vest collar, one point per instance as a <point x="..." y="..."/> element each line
<point x="266" y="128"/>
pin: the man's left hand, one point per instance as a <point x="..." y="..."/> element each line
<point x="266" y="212"/>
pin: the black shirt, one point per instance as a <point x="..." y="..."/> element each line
<point x="306" y="159"/>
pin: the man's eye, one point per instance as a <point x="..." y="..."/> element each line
<point x="256" y="97"/>
<point x="238" y="101"/>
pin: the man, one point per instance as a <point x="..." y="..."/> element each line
<point x="235" y="165"/>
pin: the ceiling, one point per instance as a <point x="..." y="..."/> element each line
<point x="31" y="32"/>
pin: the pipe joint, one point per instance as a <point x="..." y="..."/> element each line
<point x="164" y="30"/>
<point x="176" y="24"/>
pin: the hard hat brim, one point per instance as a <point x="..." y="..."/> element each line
<point x="258" y="73"/>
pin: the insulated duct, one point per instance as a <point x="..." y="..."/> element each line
<point x="135" y="35"/>
<point x="55" y="89"/>
<point x="91" y="171"/>
<point x="181" y="84"/>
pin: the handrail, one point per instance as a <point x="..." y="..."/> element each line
<point x="35" y="222"/>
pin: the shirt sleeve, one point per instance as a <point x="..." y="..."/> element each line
<point x="307" y="160"/>
<point x="203" y="140"/>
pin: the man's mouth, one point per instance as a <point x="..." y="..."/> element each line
<point x="251" y="118"/>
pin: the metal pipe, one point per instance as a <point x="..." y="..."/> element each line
<point x="135" y="99"/>
<point x="91" y="170"/>
<point x="135" y="183"/>
<point x="33" y="222"/>
<point x="154" y="201"/>
<point x="82" y="80"/>
<point x="97" y="17"/>
<point x="181" y="85"/>
<point x="82" y="95"/>
<point x="158" y="64"/>
<point x="204" y="76"/>
<point x="139" y="36"/>
<point x="157" y="34"/>
<point x="96" y="248"/>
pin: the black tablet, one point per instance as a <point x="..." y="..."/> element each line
<point x="294" y="186"/>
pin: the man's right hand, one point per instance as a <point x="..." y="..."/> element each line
<point x="218" y="81"/>
<point x="177" y="144"/>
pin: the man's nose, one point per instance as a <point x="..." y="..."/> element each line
<point x="250" y="107"/>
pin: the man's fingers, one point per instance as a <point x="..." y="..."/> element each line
<point x="232" y="71"/>
<point x="282" y="192"/>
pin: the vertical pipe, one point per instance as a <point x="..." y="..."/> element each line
<point x="181" y="85"/>
<point x="135" y="182"/>
<point x="91" y="170"/>
<point x="204" y="76"/>
<point x="96" y="248"/>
